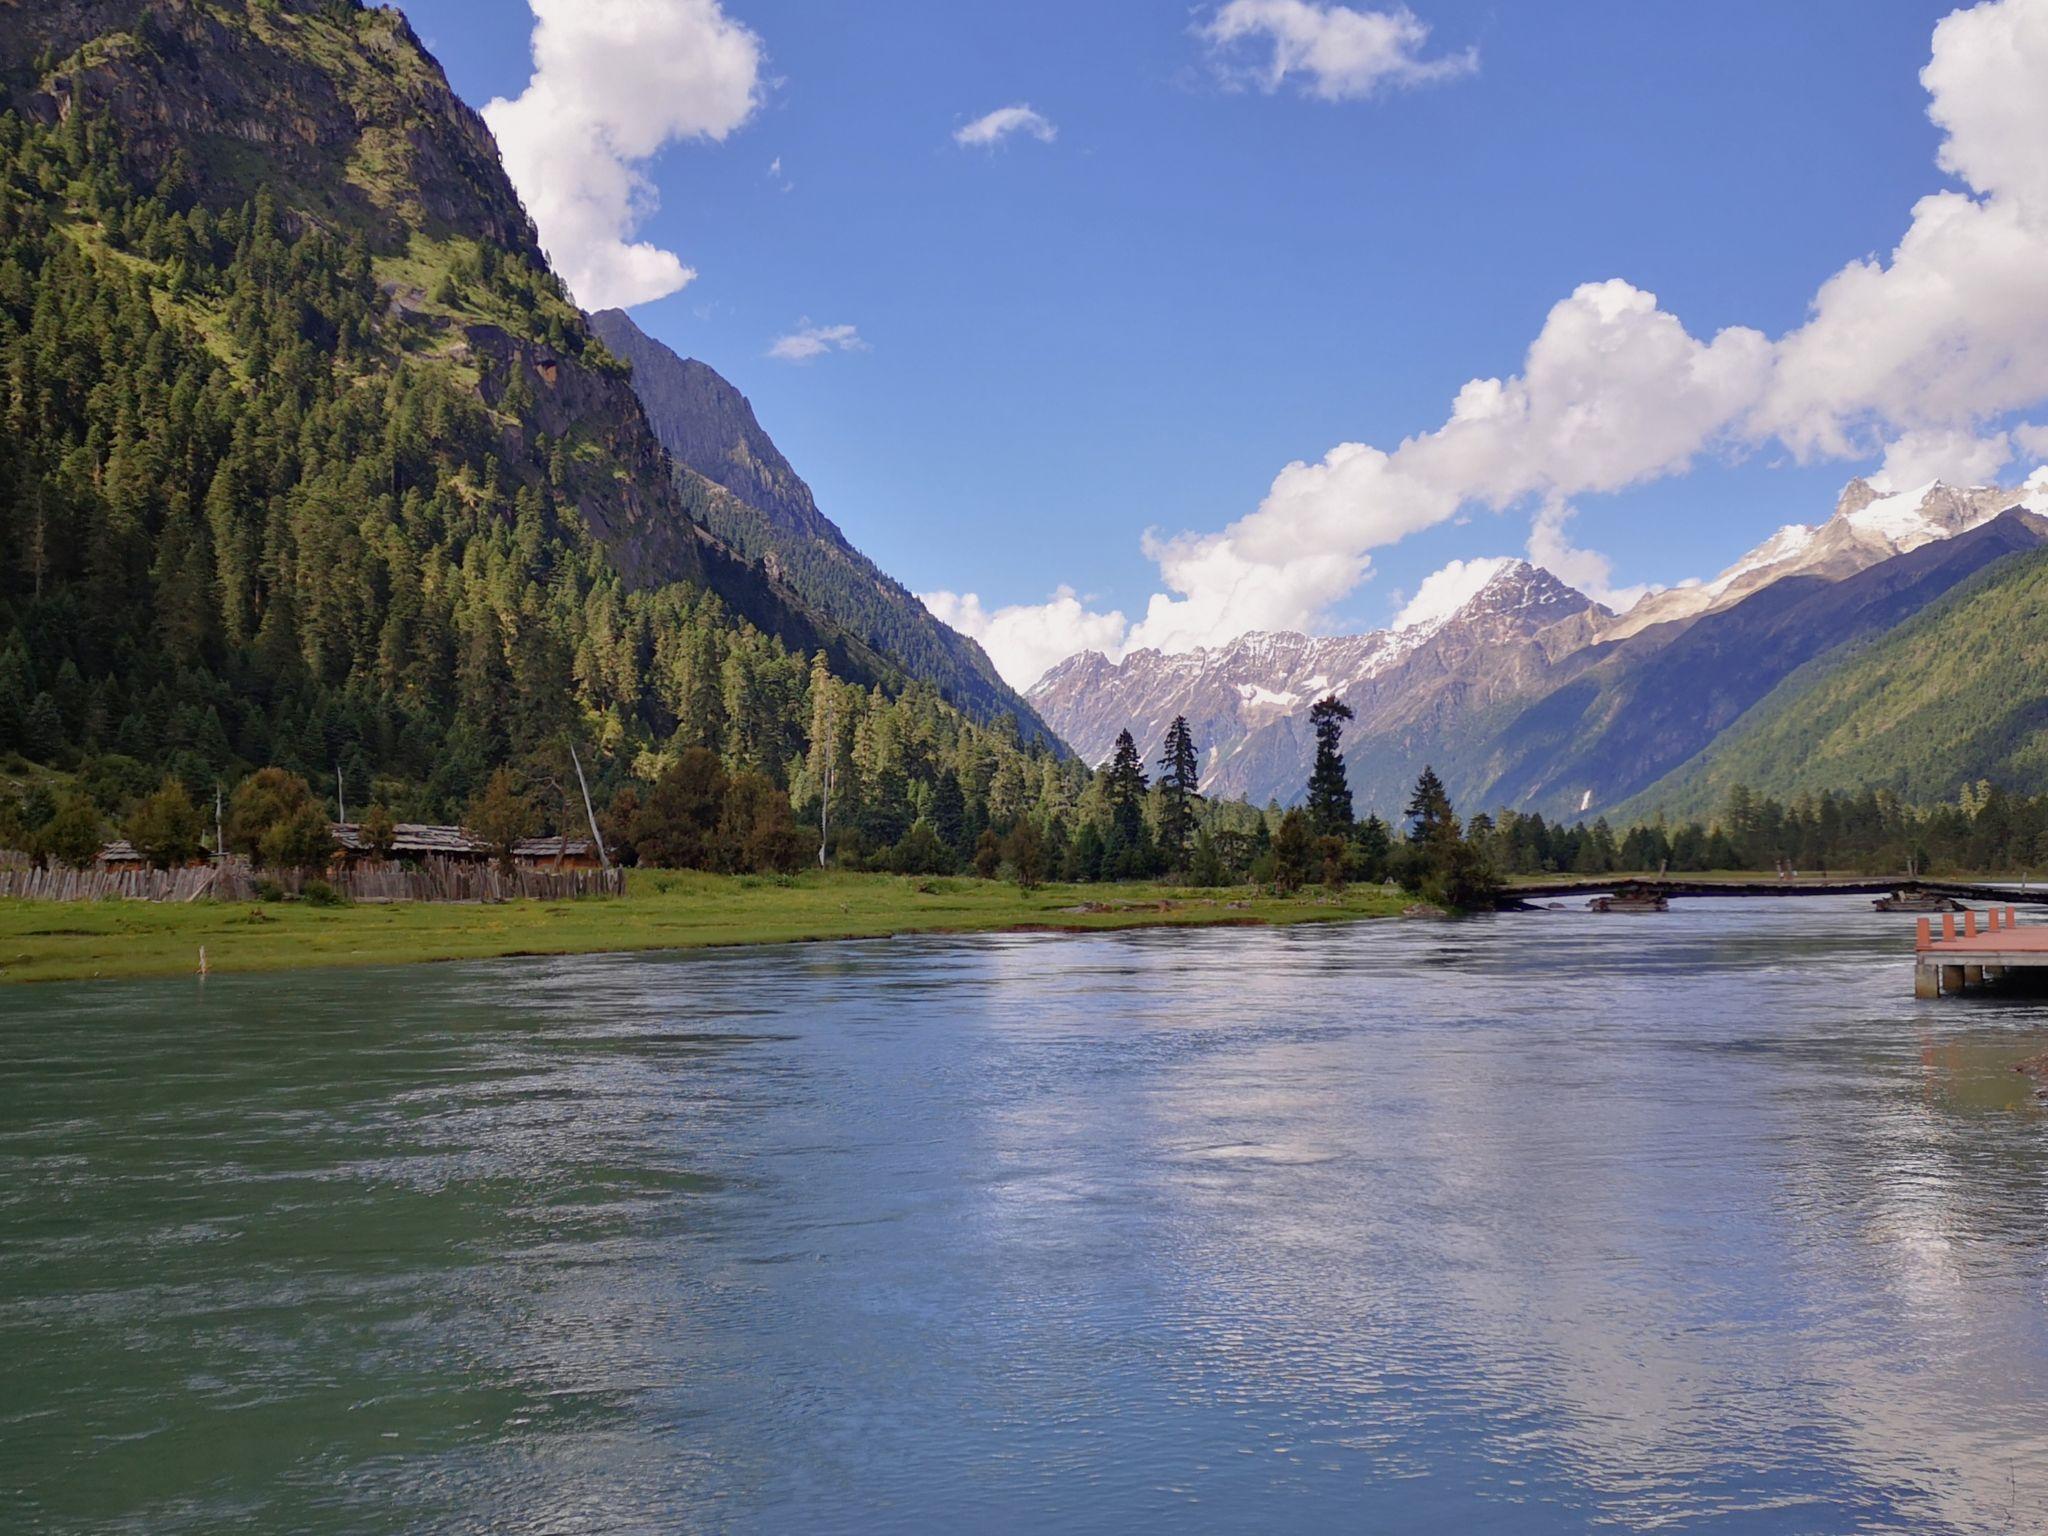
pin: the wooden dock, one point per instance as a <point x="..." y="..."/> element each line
<point x="1975" y="951"/>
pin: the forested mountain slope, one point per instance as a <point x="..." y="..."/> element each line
<point x="734" y="478"/>
<point x="308" y="458"/>
<point x="1956" y="695"/>
<point x="1653" y="701"/>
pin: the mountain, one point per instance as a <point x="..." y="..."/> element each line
<point x="309" y="459"/>
<point x="1651" y="701"/>
<point x="1952" y="697"/>
<point x="1869" y="526"/>
<point x="1246" y="702"/>
<point x="1531" y="696"/>
<point x="733" y="477"/>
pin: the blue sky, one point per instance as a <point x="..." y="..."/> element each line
<point x="1198" y="280"/>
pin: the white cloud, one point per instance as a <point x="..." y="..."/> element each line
<point x="1336" y="51"/>
<point x="1959" y="457"/>
<point x="808" y="341"/>
<point x="1028" y="640"/>
<point x="1953" y="329"/>
<point x="782" y="182"/>
<point x="992" y="128"/>
<point x="1930" y="352"/>
<point x="613" y="82"/>
<point x="1443" y="592"/>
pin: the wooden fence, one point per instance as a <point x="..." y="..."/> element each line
<point x="226" y="882"/>
<point x="233" y="880"/>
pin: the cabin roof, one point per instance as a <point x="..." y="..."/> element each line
<point x="413" y="837"/>
<point x="418" y="838"/>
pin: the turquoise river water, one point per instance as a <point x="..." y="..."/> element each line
<point x="1531" y="1224"/>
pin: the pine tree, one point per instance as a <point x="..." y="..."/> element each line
<point x="1124" y="786"/>
<point x="1429" y="809"/>
<point x="1375" y="846"/>
<point x="1293" y="852"/>
<point x="1329" y="789"/>
<point x="1179" y="785"/>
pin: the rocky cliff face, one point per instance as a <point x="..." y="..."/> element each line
<point x="335" y="107"/>
<point x="737" y="481"/>
<point x="707" y="424"/>
<point x="335" y="112"/>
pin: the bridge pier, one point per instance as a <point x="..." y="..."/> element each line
<point x="1951" y="978"/>
<point x="1926" y="981"/>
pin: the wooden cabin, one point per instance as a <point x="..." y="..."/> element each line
<point x="416" y="842"/>
<point x="546" y="853"/>
<point x="118" y="856"/>
<point x="411" y="841"/>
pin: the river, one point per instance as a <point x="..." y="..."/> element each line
<point x="1533" y="1223"/>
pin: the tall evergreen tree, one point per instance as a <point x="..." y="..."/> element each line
<point x="1329" y="789"/>
<point x="1124" y="786"/>
<point x="1429" y="809"/>
<point x="1179" y="789"/>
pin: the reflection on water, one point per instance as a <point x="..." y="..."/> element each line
<point x="1524" y="1224"/>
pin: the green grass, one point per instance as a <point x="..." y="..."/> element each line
<point x="49" y="941"/>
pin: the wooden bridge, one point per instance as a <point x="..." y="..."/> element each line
<point x="1957" y="890"/>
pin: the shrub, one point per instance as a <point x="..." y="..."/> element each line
<point x="73" y="835"/>
<point x="501" y="816"/>
<point x="674" y="826"/>
<point x="167" y="829"/>
<point x="921" y="852"/>
<point x="319" y="893"/>
<point x="379" y="830"/>
<point x="757" y="830"/>
<point x="1293" y="851"/>
<point x="1330" y="855"/>
<point x="275" y="820"/>
<point x="1024" y="853"/>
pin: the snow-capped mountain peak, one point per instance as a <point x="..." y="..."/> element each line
<point x="1265" y="681"/>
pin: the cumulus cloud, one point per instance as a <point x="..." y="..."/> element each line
<point x="1027" y="641"/>
<point x="1958" y="456"/>
<point x="613" y="82"/>
<point x="992" y="128"/>
<point x="1925" y="356"/>
<point x="1443" y="592"/>
<point x="1952" y="330"/>
<point x="1334" y="52"/>
<point x="808" y="341"/>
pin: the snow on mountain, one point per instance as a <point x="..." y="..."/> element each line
<point x="1244" y="701"/>
<point x="1870" y="524"/>
<point x="1416" y="688"/>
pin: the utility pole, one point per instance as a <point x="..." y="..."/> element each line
<point x="340" y="797"/>
<point x="220" y="841"/>
<point x="825" y="800"/>
<point x="584" y="784"/>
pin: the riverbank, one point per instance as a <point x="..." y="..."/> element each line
<point x="80" y="941"/>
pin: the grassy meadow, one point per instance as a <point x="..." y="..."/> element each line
<point x="45" y="941"/>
